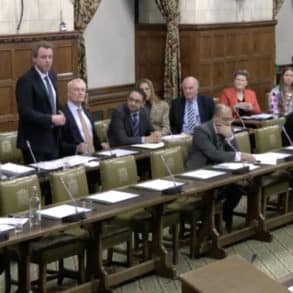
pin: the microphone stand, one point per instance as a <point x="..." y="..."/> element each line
<point x="174" y="189"/>
<point x="78" y="216"/>
<point x="32" y="155"/>
<point x="287" y="135"/>
<point x="239" y="117"/>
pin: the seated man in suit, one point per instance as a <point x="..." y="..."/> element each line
<point x="78" y="133"/>
<point x="130" y="123"/>
<point x="190" y="110"/>
<point x="213" y="142"/>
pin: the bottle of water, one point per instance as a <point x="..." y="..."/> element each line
<point x="35" y="208"/>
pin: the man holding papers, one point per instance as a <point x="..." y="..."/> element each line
<point x="130" y="123"/>
<point x="213" y="142"/>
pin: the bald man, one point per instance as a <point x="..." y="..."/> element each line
<point x="190" y="110"/>
<point x="213" y="142"/>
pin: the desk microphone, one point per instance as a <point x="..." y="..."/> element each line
<point x="174" y="189"/>
<point x="32" y="154"/>
<point x="77" y="216"/>
<point x="239" y="117"/>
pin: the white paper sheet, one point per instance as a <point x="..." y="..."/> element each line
<point x="159" y="184"/>
<point x="16" y="168"/>
<point x="236" y="166"/>
<point x="112" y="196"/>
<point x="174" y="136"/>
<point x="290" y="289"/>
<point x="5" y="228"/>
<point x="270" y="158"/>
<point x="289" y="148"/>
<point x="150" y="146"/>
<point x="118" y="152"/>
<point x="262" y="116"/>
<point x="13" y="221"/>
<point x="62" y="211"/>
<point x="203" y="174"/>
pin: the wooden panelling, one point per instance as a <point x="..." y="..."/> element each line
<point x="212" y="53"/>
<point x="16" y="58"/>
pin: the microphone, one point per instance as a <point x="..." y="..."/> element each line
<point x="239" y="117"/>
<point x="287" y="135"/>
<point x="77" y="216"/>
<point x="174" y="189"/>
<point x="32" y="154"/>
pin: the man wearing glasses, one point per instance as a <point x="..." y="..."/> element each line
<point x="130" y="123"/>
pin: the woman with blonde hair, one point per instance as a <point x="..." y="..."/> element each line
<point x="157" y="108"/>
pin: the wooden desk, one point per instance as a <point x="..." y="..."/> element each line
<point x="231" y="275"/>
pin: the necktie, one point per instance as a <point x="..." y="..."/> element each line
<point x="191" y="119"/>
<point x="86" y="132"/>
<point x="50" y="94"/>
<point x="135" y="124"/>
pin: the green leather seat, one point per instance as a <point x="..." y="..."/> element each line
<point x="270" y="139"/>
<point x="101" y="128"/>
<point x="184" y="142"/>
<point x="186" y="207"/>
<point x="243" y="142"/>
<point x="8" y="150"/>
<point x="14" y="198"/>
<point x="277" y="121"/>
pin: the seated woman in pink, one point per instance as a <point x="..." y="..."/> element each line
<point x="242" y="101"/>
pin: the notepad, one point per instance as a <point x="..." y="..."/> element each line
<point x="235" y="166"/>
<point x="117" y="152"/>
<point x="158" y="184"/>
<point x="16" y="169"/>
<point x="62" y="211"/>
<point x="112" y="196"/>
<point x="150" y="146"/>
<point x="271" y="158"/>
<point x="203" y="174"/>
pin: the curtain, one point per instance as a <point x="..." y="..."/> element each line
<point x="172" y="72"/>
<point x="277" y="6"/>
<point x="84" y="10"/>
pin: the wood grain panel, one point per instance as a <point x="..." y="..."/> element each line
<point x="6" y="66"/>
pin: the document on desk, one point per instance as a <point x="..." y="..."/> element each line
<point x="271" y="158"/>
<point x="235" y="166"/>
<point x="290" y="148"/>
<point x="112" y="196"/>
<point x="262" y="116"/>
<point x="16" y="169"/>
<point x="5" y="228"/>
<point x="150" y="146"/>
<point x="13" y="221"/>
<point x="175" y="136"/>
<point x="203" y="174"/>
<point x="117" y="153"/>
<point x="158" y="184"/>
<point x="290" y="289"/>
<point x="62" y="211"/>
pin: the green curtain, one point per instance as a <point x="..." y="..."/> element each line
<point x="172" y="73"/>
<point x="277" y="6"/>
<point x="84" y="10"/>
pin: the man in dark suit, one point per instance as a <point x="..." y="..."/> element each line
<point x="130" y="123"/>
<point x="78" y="133"/>
<point x="38" y="107"/>
<point x="213" y="142"/>
<point x="191" y="110"/>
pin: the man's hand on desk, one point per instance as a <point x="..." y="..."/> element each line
<point x="58" y="119"/>
<point x="248" y="158"/>
<point x="82" y="148"/>
<point x="155" y="137"/>
<point x="105" y="146"/>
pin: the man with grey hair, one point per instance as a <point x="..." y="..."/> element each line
<point x="190" y="110"/>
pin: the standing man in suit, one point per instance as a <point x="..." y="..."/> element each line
<point x="190" y="110"/>
<point x="38" y="107"/>
<point x="214" y="142"/>
<point x="78" y="133"/>
<point x="130" y="123"/>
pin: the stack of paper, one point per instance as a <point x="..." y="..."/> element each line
<point x="151" y="146"/>
<point x="271" y="158"/>
<point x="159" y="184"/>
<point x="112" y="196"/>
<point x="174" y="136"/>
<point x="118" y="152"/>
<point x="16" y="169"/>
<point x="235" y="166"/>
<point x="262" y="116"/>
<point x="62" y="211"/>
<point x="5" y="228"/>
<point x="13" y="221"/>
<point x="203" y="174"/>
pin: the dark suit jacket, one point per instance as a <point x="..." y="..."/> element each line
<point x="120" y="130"/>
<point x="206" y="108"/>
<point x="71" y="136"/>
<point x="209" y="148"/>
<point x="35" y="114"/>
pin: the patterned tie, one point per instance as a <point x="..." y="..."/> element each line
<point x="135" y="124"/>
<point x="50" y="94"/>
<point x="191" y="118"/>
<point x="86" y="132"/>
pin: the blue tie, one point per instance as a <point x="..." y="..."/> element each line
<point x="50" y="94"/>
<point x="135" y="124"/>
